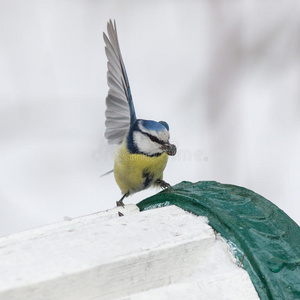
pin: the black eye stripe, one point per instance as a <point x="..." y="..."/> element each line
<point x="153" y="138"/>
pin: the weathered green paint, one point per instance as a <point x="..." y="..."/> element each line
<point x="269" y="239"/>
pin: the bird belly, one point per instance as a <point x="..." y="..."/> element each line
<point x="136" y="172"/>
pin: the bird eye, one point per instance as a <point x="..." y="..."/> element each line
<point x="155" y="139"/>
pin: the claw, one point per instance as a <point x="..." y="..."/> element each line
<point x="164" y="185"/>
<point x="120" y="202"/>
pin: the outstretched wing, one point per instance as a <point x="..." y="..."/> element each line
<point x="120" y="111"/>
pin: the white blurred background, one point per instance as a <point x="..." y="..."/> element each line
<point x="225" y="75"/>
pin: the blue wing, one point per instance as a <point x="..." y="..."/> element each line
<point x="120" y="111"/>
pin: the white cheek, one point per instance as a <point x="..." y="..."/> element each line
<point x="144" y="144"/>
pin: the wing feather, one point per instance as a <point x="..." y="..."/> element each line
<point x="120" y="111"/>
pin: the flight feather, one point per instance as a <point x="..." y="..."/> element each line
<point x="120" y="111"/>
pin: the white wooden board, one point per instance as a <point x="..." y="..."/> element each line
<point x="104" y="256"/>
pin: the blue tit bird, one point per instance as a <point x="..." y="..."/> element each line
<point x="144" y="144"/>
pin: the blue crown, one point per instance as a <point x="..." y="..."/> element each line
<point x="153" y="125"/>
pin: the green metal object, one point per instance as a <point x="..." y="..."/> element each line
<point x="264" y="235"/>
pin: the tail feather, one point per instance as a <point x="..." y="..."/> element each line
<point x="111" y="171"/>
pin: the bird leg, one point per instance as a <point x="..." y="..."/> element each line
<point x="161" y="183"/>
<point x="120" y="202"/>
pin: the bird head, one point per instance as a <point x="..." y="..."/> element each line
<point x="150" y="138"/>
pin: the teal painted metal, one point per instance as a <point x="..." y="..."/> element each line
<point x="268" y="239"/>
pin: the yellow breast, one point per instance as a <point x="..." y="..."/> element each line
<point x="135" y="172"/>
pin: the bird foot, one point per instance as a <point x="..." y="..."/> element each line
<point x="161" y="183"/>
<point x="120" y="202"/>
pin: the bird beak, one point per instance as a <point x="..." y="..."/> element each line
<point x="170" y="149"/>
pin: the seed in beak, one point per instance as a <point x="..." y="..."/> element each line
<point x="170" y="149"/>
